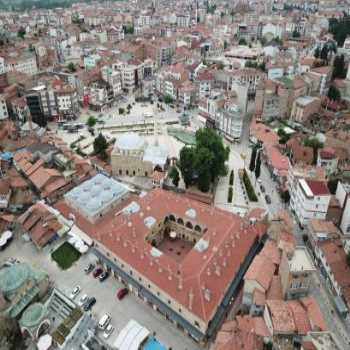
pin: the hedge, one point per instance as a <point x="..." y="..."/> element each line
<point x="230" y="194"/>
<point x="249" y="188"/>
<point x="231" y="178"/>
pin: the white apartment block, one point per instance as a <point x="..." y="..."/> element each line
<point x="309" y="198"/>
<point x="3" y="108"/>
<point x="343" y="196"/>
<point x="24" y="63"/>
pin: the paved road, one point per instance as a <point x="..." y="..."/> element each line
<point x="121" y="311"/>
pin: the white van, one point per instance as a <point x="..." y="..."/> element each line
<point x="105" y="319"/>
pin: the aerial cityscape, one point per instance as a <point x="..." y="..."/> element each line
<point x="174" y="175"/>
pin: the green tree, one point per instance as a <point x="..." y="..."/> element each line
<point x="317" y="52"/>
<point x="250" y="64"/>
<point x="332" y="185"/>
<point x="168" y="99"/>
<point x="128" y="29"/>
<point x="334" y="93"/>
<point x="285" y="196"/>
<point x="174" y="175"/>
<point x="242" y="41"/>
<point x="339" y="69"/>
<point x="100" y="146"/>
<point x="257" y="169"/>
<point x="225" y="45"/>
<point x="348" y="259"/>
<point x="21" y="33"/>
<point x="186" y="164"/>
<point x="295" y="34"/>
<point x="71" y="67"/>
<point x="121" y="110"/>
<point x="208" y="138"/>
<point x="128" y="107"/>
<point x="315" y="144"/>
<point x="202" y="163"/>
<point x="10" y="335"/>
<point x="324" y="53"/>
<point x="91" y="122"/>
<point x="253" y="159"/>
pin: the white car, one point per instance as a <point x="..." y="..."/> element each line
<point x="108" y="331"/>
<point x="75" y="292"/>
<point x="83" y="299"/>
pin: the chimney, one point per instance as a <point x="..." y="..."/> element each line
<point x="217" y="270"/>
<point x="190" y="299"/>
<point x="207" y="294"/>
<point x="180" y="285"/>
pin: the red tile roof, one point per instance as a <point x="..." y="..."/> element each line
<point x="199" y="280"/>
<point x="318" y="188"/>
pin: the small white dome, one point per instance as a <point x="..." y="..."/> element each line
<point x="130" y="141"/>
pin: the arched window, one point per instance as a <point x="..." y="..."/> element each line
<point x="180" y="221"/>
<point x="120" y="171"/>
<point x="197" y="228"/>
<point x="127" y="172"/>
<point x="172" y="217"/>
<point x="189" y="225"/>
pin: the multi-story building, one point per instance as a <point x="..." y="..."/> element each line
<point x="328" y="159"/>
<point x="309" y="197"/>
<point x="304" y="107"/>
<point x="3" y="108"/>
<point x="192" y="284"/>
<point x="343" y="196"/>
<point x="296" y="271"/>
<point x="22" y="61"/>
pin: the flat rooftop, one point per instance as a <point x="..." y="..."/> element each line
<point x="301" y="261"/>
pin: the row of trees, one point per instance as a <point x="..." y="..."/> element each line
<point x="255" y="160"/>
<point x="340" y="28"/>
<point x="201" y="164"/>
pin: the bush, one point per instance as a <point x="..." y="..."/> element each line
<point x="231" y="178"/>
<point x="65" y="255"/>
<point x="249" y="187"/>
<point x="230" y="194"/>
<point x="121" y="110"/>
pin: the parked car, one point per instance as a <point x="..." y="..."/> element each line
<point x="268" y="199"/>
<point x="84" y="298"/>
<point x="89" y="304"/>
<point x="97" y="272"/>
<point x="262" y="188"/>
<point x="104" y="321"/>
<point x="108" y="331"/>
<point x="104" y="275"/>
<point x="89" y="268"/>
<point x="75" y="292"/>
<point x="121" y="293"/>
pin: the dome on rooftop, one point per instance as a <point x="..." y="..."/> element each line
<point x="11" y="278"/>
<point x="33" y="315"/>
<point x="130" y="141"/>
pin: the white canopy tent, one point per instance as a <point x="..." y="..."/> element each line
<point x="131" y="336"/>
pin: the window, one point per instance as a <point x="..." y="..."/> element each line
<point x="169" y="302"/>
<point x="180" y="311"/>
<point x="130" y="272"/>
<point x="149" y="286"/>
<point x="196" y="323"/>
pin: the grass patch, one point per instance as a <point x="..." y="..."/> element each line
<point x="65" y="255"/>
<point x="249" y="187"/>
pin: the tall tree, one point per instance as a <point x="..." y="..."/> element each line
<point x="253" y="158"/>
<point x="100" y="146"/>
<point x="324" y="53"/>
<point x="339" y="70"/>
<point x="174" y="175"/>
<point x="258" y="166"/>
<point x="317" y="52"/>
<point x="334" y="93"/>
<point x="203" y="161"/>
<point x="209" y="139"/>
<point x="186" y="164"/>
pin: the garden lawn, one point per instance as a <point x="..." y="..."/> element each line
<point x="65" y="255"/>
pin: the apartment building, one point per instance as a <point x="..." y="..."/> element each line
<point x="23" y="61"/>
<point x="3" y="108"/>
<point x="309" y="198"/>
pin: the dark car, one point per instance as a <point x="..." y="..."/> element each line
<point x="268" y="199"/>
<point x="89" y="268"/>
<point x="97" y="272"/>
<point x="104" y="275"/>
<point x="121" y="293"/>
<point x="89" y="304"/>
<point x="262" y="188"/>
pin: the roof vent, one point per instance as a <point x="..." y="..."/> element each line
<point x="149" y="221"/>
<point x="191" y="213"/>
<point x="202" y="245"/>
<point x="156" y="253"/>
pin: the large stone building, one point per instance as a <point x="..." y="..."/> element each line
<point x="183" y="258"/>
<point x="132" y="156"/>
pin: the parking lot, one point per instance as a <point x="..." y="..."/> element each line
<point x="121" y="311"/>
